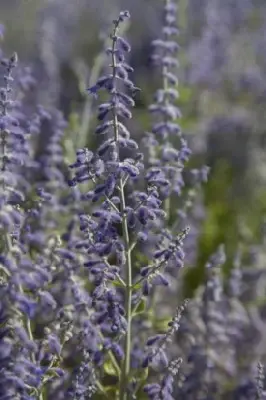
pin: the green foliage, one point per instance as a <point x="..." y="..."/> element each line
<point x="109" y="368"/>
<point x="140" y="308"/>
<point x="219" y="226"/>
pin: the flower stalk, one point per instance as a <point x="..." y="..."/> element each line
<point x="125" y="234"/>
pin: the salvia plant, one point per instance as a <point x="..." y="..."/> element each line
<point x="91" y="252"/>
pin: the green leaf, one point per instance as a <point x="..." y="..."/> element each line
<point x="140" y="308"/>
<point x="139" y="375"/>
<point x="162" y="324"/>
<point x="137" y="286"/>
<point x="117" y="283"/>
<point x="109" y="368"/>
<point x="143" y="375"/>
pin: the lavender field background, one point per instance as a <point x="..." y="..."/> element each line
<point x="63" y="322"/>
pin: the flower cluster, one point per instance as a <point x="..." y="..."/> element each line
<point x="124" y="222"/>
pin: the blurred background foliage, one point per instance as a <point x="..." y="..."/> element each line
<point x="222" y="94"/>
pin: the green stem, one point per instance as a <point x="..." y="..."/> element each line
<point x="128" y="301"/>
<point x="167" y="201"/>
<point x="128" y="289"/>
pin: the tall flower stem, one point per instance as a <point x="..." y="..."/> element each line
<point x="128" y="289"/>
<point x="128" y="296"/>
<point x="167" y="201"/>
